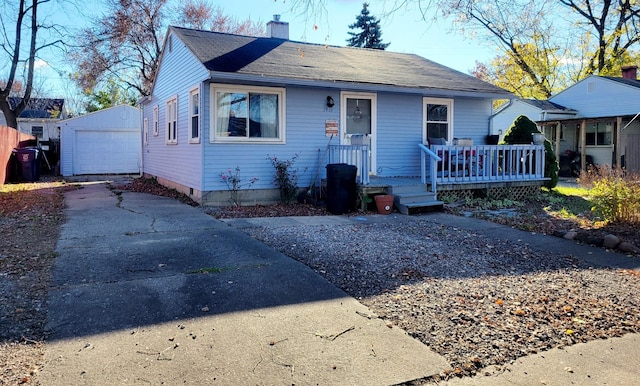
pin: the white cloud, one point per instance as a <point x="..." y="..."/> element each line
<point x="39" y="63"/>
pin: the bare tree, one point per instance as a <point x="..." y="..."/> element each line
<point x="126" y="43"/>
<point x="21" y="45"/>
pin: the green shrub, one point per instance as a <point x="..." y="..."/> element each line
<point x="521" y="132"/>
<point x="615" y="195"/>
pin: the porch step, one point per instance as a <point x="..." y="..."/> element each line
<point x="420" y="207"/>
<point x="413" y="199"/>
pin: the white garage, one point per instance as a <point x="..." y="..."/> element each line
<point x="103" y="142"/>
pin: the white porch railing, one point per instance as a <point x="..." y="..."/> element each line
<point x="488" y="163"/>
<point x="357" y="155"/>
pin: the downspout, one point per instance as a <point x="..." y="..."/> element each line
<point x="141" y="103"/>
<point x="631" y="121"/>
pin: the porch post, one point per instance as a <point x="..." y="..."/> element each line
<point x="583" y="145"/>
<point x="617" y="143"/>
<point x="557" y="149"/>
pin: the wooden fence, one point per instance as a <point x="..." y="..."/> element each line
<point x="10" y="139"/>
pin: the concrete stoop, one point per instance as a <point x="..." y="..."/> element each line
<point x="414" y="199"/>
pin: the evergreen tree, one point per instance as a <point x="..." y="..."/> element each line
<point x="370" y="35"/>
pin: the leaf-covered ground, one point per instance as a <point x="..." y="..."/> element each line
<point x="30" y="219"/>
<point x="31" y="216"/>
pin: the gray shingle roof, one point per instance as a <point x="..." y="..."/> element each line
<point x="277" y="58"/>
<point x="545" y="104"/>
<point x="39" y="107"/>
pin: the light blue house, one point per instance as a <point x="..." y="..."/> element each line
<point x="221" y="102"/>
<point x="606" y="107"/>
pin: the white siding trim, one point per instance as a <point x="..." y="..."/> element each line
<point x="171" y="121"/>
<point x="156" y="122"/>
<point x="193" y="90"/>
<point x="146" y="131"/>
<point x="282" y="114"/>
<point x="344" y="95"/>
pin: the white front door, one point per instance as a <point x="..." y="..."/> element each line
<point x="358" y="122"/>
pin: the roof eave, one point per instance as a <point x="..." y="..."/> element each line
<point x="341" y="84"/>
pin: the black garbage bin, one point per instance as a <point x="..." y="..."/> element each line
<point x="28" y="163"/>
<point x="341" y="188"/>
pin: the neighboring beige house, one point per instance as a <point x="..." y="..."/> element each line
<point x="40" y="118"/>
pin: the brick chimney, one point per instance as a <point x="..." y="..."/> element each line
<point x="630" y="72"/>
<point x="278" y="29"/>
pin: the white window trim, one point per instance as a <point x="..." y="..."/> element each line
<point x="168" y="140"/>
<point x="215" y="138"/>
<point x="195" y="89"/>
<point x="156" y="123"/>
<point x="146" y="131"/>
<point x="437" y="101"/>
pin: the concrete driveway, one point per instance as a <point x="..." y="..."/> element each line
<point x="147" y="290"/>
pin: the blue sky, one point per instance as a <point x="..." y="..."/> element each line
<point x="404" y="29"/>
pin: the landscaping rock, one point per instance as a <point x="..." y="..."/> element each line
<point x="627" y="247"/>
<point x="559" y="233"/>
<point x="571" y="235"/>
<point x="594" y="240"/>
<point x="582" y="237"/>
<point x="611" y="241"/>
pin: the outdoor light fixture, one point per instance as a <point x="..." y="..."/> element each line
<point x="330" y="102"/>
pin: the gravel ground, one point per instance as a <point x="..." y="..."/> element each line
<point x="475" y="301"/>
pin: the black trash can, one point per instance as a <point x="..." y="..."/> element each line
<point x="28" y="163"/>
<point x="341" y="188"/>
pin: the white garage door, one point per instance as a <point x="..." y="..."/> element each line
<point x="106" y="152"/>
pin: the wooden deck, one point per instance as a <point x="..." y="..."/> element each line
<point x="490" y="170"/>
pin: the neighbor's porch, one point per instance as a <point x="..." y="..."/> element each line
<point x="495" y="170"/>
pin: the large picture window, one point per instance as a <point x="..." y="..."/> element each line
<point x="599" y="134"/>
<point x="194" y="112"/>
<point x="172" y="120"/>
<point x="438" y="116"/>
<point x="248" y="114"/>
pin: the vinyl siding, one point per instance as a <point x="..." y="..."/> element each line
<point x="182" y="163"/>
<point x="399" y="130"/>
<point x="118" y="118"/>
<point x="471" y="119"/>
<point x="597" y="97"/>
<point x="504" y="119"/>
<point x="399" y="133"/>
<point x="306" y="113"/>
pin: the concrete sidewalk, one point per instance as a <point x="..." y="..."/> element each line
<point x="147" y="290"/>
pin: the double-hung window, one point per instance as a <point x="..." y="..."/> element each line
<point x="156" y="129"/>
<point x="438" y="116"/>
<point x="172" y="121"/>
<point x="247" y="114"/>
<point x="146" y="131"/>
<point x="194" y="115"/>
